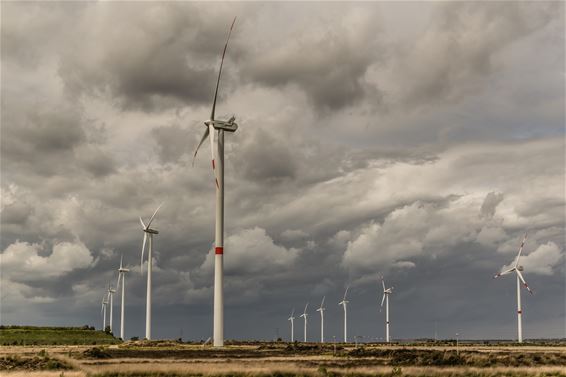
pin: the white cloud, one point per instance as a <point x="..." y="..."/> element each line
<point x="410" y="231"/>
<point x="253" y="251"/>
<point x="543" y="260"/>
<point x="293" y="234"/>
<point x="23" y="260"/>
<point x="404" y="264"/>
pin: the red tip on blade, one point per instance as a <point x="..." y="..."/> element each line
<point x="219" y="250"/>
<point x="213" y="166"/>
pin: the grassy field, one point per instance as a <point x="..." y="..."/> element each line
<point x="160" y="359"/>
<point x="29" y="335"/>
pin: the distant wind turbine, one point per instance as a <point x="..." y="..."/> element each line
<point x="344" y="303"/>
<point x="386" y="293"/>
<point x="213" y="125"/>
<point x="292" y="319"/>
<point x="517" y="269"/>
<point x="148" y="234"/>
<point x="305" y="315"/>
<point x="103" y="310"/>
<point x="111" y="292"/>
<point x="321" y="310"/>
<point x="122" y="277"/>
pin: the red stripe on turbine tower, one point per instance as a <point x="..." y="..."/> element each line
<point x="219" y="250"/>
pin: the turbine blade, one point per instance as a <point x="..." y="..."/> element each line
<point x="523" y="281"/>
<point x="383" y="283"/>
<point x="382" y="300"/>
<point x="504" y="272"/>
<point x="345" y="293"/>
<point x="520" y="249"/>
<point x="220" y="71"/>
<point x="143" y="249"/>
<point x="118" y="281"/>
<point x="153" y="216"/>
<point x="306" y="306"/>
<point x="293" y="312"/>
<point x="212" y="153"/>
<point x="322" y="303"/>
<point x="121" y="259"/>
<point x="199" y="144"/>
<point x="142" y="223"/>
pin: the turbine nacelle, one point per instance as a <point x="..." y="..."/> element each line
<point x="230" y="125"/>
<point x="519" y="268"/>
<point x="152" y="231"/>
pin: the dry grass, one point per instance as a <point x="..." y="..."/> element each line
<point x="249" y="361"/>
<point x="44" y="374"/>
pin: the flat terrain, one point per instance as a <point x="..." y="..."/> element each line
<point x="282" y="360"/>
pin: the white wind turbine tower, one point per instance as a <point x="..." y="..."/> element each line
<point x="148" y="234"/>
<point x="386" y="293"/>
<point x="122" y="277"/>
<point x="103" y="310"/>
<point x="321" y="310"/>
<point x="344" y="303"/>
<point x="111" y="296"/>
<point x="292" y="319"/>
<point x="517" y="269"/>
<point x="213" y="125"/>
<point x="305" y="315"/>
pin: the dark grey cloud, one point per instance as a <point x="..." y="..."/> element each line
<point x="264" y="158"/>
<point x="332" y="178"/>
<point x="166" y="56"/>
<point x="460" y="48"/>
<point x="490" y="203"/>
<point x="327" y="60"/>
<point x="172" y="142"/>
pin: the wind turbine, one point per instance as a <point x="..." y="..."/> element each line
<point x="517" y="269"/>
<point x="344" y="303"/>
<point x="148" y="234"/>
<point x="386" y="293"/>
<point x="103" y="310"/>
<point x="321" y="310"/>
<point x="212" y="125"/>
<point x="292" y="319"/>
<point x="111" y="295"/>
<point x="305" y="315"/>
<point x="122" y="276"/>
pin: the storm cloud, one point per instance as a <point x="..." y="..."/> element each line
<point x="414" y="140"/>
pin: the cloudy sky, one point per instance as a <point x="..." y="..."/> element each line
<point x="414" y="140"/>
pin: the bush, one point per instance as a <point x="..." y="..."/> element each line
<point x="96" y="353"/>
